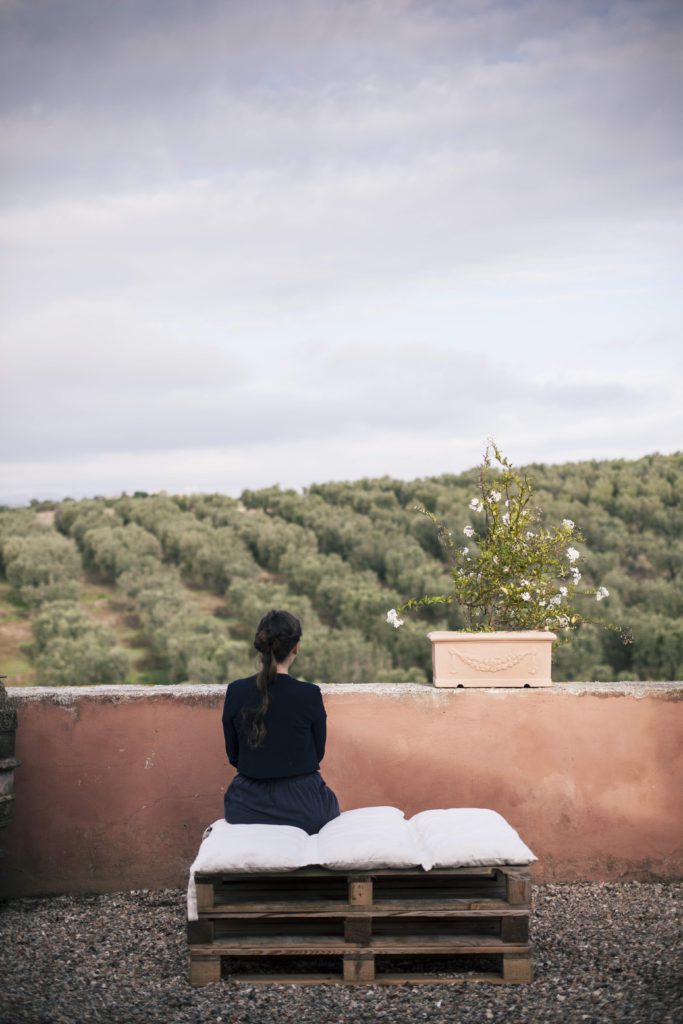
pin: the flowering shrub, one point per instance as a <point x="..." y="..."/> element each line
<point x="516" y="574"/>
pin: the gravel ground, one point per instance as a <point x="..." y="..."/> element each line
<point x="603" y="952"/>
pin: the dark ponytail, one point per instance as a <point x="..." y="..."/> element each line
<point x="277" y="634"/>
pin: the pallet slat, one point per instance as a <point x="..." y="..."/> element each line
<point x="471" y="977"/>
<point x="314" y="945"/>
<point x="485" y="870"/>
<point x="394" y="908"/>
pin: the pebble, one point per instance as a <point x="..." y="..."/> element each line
<point x="604" y="952"/>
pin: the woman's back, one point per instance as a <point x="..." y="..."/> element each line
<point x="295" y="728"/>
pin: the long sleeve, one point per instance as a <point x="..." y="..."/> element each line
<point x="229" y="730"/>
<point x="319" y="727"/>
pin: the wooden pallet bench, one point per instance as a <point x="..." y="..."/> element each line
<point x="364" y="920"/>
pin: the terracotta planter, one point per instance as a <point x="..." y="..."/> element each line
<point x="492" y="659"/>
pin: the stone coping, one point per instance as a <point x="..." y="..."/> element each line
<point x="192" y="691"/>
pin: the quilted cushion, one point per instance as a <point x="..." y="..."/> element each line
<point x="252" y="848"/>
<point x="469" y="836"/>
<point x="370" y="837"/>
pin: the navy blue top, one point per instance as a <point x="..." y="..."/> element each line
<point x="295" y="728"/>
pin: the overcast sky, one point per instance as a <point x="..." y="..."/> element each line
<point x="302" y="240"/>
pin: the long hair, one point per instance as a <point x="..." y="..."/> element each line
<point x="277" y="634"/>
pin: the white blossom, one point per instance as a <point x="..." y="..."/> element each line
<point x="555" y="600"/>
<point x="569" y="523"/>
<point x="576" y="575"/>
<point x="465" y="551"/>
<point x="477" y="505"/>
<point x="507" y="503"/>
<point x="526" y="596"/>
<point x="563" y="620"/>
<point x="542" y="604"/>
<point x="468" y="531"/>
<point x="601" y="593"/>
<point x="572" y="554"/>
<point x="525" y="583"/>
<point x="393" y="619"/>
<point x="506" y="517"/>
<point x="530" y="534"/>
<point x="495" y="496"/>
<point x="563" y="591"/>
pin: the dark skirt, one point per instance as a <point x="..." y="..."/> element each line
<point x="301" y="800"/>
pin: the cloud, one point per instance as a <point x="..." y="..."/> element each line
<point x="404" y="454"/>
<point x="84" y="377"/>
<point x="238" y="154"/>
<point x="143" y="395"/>
<point x="123" y="97"/>
<point x="256" y="241"/>
<point x="90" y="346"/>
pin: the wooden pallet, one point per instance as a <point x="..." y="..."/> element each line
<point x="363" y="921"/>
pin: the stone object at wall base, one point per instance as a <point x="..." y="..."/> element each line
<point x="8" y="762"/>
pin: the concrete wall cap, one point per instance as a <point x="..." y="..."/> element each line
<point x="68" y="695"/>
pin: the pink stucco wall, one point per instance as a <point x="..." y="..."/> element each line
<point x="117" y="783"/>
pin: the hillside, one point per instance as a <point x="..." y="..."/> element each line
<point x="155" y="588"/>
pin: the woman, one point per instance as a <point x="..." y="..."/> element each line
<point x="275" y="728"/>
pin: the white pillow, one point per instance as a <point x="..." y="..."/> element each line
<point x="252" y="848"/>
<point x="468" y="836"/>
<point x="367" y="838"/>
<point x="227" y="847"/>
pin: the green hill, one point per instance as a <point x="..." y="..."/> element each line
<point x="155" y="588"/>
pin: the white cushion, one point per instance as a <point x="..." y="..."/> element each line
<point x="227" y="847"/>
<point x="468" y="836"/>
<point x="252" y="848"/>
<point x="367" y="838"/>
